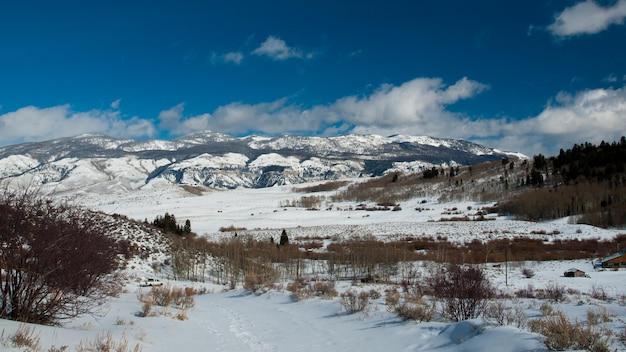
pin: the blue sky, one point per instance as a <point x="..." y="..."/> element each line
<point x="529" y="75"/>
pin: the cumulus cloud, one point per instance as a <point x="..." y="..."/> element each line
<point x="32" y="123"/>
<point x="420" y="102"/>
<point x="590" y="115"/>
<point x="420" y="107"/>
<point x="587" y="17"/>
<point x="277" y="49"/>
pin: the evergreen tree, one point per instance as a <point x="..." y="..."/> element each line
<point x="284" y="239"/>
<point x="187" y="228"/>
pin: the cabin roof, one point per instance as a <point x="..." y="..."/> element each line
<point x="614" y="255"/>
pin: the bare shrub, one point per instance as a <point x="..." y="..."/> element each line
<point x="325" y="289"/>
<point x="598" y="293"/>
<point x="166" y="296"/>
<point x="106" y="343"/>
<point x="374" y="294"/>
<point x="260" y="277"/>
<point x="528" y="292"/>
<point x="57" y="262"/>
<point x="392" y="299"/>
<point x="598" y="316"/>
<point x="561" y="334"/>
<point x="146" y="309"/>
<point x="499" y="313"/>
<point x="462" y="289"/>
<point x="353" y="302"/>
<point x="416" y="310"/>
<point x="553" y="291"/>
<point x="528" y="273"/>
<point x="546" y="309"/>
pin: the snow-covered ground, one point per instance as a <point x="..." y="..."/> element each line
<point x="238" y="321"/>
<point x="259" y="211"/>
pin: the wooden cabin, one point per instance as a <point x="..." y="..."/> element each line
<point x="615" y="260"/>
<point x="573" y="272"/>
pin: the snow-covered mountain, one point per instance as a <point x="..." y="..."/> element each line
<point x="96" y="163"/>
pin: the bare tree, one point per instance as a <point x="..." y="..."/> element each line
<point x="463" y="291"/>
<point x="56" y="261"/>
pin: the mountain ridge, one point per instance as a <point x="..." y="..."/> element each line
<point x="218" y="160"/>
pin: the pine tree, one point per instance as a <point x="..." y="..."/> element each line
<point x="187" y="228"/>
<point x="284" y="239"/>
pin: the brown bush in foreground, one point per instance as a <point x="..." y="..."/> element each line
<point x="561" y="334"/>
<point x="463" y="291"/>
<point x="57" y="262"/>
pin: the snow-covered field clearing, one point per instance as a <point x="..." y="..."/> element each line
<point x="260" y="212"/>
<point x="238" y="321"/>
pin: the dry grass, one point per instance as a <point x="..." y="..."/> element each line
<point x="106" y="343"/>
<point x="24" y="338"/>
<point x="598" y="316"/>
<point x="561" y="334"/>
<point x="166" y="296"/>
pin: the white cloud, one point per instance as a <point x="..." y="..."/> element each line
<point x="419" y="102"/>
<point x="277" y="49"/>
<point x="31" y="123"/>
<point x="234" y="57"/>
<point x="231" y="57"/>
<point x="420" y="107"/>
<point x="115" y="105"/>
<point x="591" y="115"/>
<point x="587" y="17"/>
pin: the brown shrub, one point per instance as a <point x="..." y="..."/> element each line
<point x="599" y="293"/>
<point x="325" y="289"/>
<point x="419" y="311"/>
<point x="553" y="291"/>
<point x="462" y="290"/>
<point x="260" y="277"/>
<point x="392" y="299"/>
<point x="561" y="334"/>
<point x="57" y="261"/>
<point x="353" y="303"/>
